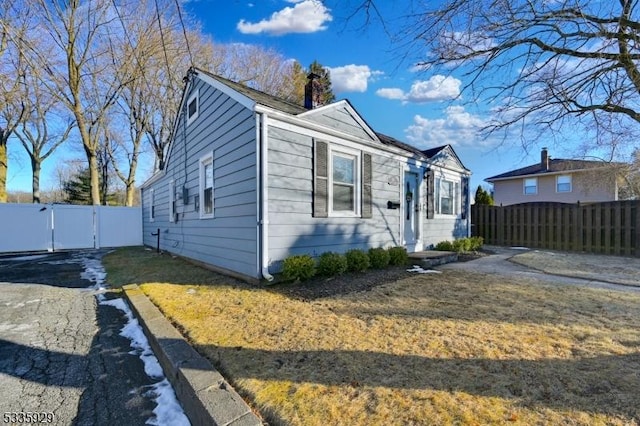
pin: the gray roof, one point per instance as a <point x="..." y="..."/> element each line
<point x="260" y="97"/>
<point x="283" y="105"/>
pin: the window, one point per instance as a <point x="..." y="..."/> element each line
<point x="206" y="186"/>
<point x="445" y="197"/>
<point x="344" y="188"/>
<point x="172" y="202"/>
<point x="531" y="186"/>
<point x="152" y="208"/>
<point x="563" y="183"/>
<point x="193" y="107"/>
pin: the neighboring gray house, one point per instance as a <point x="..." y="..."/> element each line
<point x="251" y="179"/>
<point x="556" y="180"/>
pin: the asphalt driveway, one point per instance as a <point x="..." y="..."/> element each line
<point x="61" y="354"/>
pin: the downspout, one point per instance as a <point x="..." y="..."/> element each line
<point x="263" y="194"/>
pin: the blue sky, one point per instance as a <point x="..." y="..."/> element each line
<point x="423" y="108"/>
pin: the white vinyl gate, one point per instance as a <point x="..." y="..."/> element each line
<point x="52" y="227"/>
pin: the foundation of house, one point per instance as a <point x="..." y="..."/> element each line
<point x="430" y="258"/>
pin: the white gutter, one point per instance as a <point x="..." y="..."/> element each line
<point x="263" y="194"/>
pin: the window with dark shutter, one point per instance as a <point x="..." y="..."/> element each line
<point x="465" y="197"/>
<point x="321" y="179"/>
<point x="431" y="199"/>
<point x="367" y="201"/>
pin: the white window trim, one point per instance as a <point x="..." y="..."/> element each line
<point x="152" y="217"/>
<point x="196" y="96"/>
<point x="524" y="186"/>
<point x="457" y="199"/>
<point x="356" y="154"/>
<point x="204" y="160"/>
<point x="172" y="200"/>
<point x="570" y="184"/>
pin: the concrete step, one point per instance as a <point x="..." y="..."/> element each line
<point x="430" y="258"/>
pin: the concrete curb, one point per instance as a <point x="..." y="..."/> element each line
<point x="205" y="395"/>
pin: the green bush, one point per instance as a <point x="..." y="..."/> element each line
<point x="398" y="256"/>
<point x="444" y="246"/>
<point x="476" y="243"/>
<point x="331" y="264"/>
<point x="461" y="245"/>
<point x="378" y="258"/>
<point x="357" y="260"/>
<point x="299" y="267"/>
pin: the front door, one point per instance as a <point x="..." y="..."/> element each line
<point x="411" y="201"/>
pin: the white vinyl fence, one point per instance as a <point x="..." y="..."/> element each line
<point x="52" y="227"/>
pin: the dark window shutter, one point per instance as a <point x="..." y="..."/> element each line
<point x="321" y="179"/>
<point x="367" y="202"/>
<point x="431" y="202"/>
<point x="464" y="197"/>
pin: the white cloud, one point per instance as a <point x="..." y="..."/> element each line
<point x="305" y="16"/>
<point x="390" y="93"/>
<point x="437" y="88"/>
<point x="351" y="78"/>
<point x="458" y="127"/>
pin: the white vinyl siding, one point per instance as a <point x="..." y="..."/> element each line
<point x="563" y="183"/>
<point x="531" y="186"/>
<point x="206" y="186"/>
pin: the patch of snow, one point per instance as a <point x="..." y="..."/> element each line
<point x="168" y="411"/>
<point x="421" y="270"/>
<point x="133" y="331"/>
<point x="519" y="248"/>
<point x="94" y="272"/>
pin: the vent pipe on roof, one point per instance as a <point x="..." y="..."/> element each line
<point x="544" y="159"/>
<point x="312" y="92"/>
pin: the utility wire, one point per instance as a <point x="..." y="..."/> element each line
<point x="184" y="31"/>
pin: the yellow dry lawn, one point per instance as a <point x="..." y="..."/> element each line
<point x="453" y="348"/>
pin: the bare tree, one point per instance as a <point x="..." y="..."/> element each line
<point x="43" y="127"/>
<point x="84" y="34"/>
<point x="542" y="65"/>
<point x="13" y="28"/>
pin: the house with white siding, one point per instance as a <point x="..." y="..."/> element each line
<point x="251" y="179"/>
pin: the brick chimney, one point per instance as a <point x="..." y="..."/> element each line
<point x="312" y="92"/>
<point x="544" y="159"/>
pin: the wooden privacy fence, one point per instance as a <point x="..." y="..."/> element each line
<point x="605" y="228"/>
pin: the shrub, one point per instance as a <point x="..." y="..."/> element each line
<point x="331" y="264"/>
<point x="378" y="258"/>
<point x="461" y="245"/>
<point x="476" y="243"/>
<point x="357" y="260"/>
<point x="398" y="256"/>
<point x="444" y="246"/>
<point x="299" y="267"/>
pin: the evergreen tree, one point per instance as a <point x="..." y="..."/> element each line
<point x="78" y="190"/>
<point x="299" y="80"/>
<point x="325" y="79"/>
<point x="483" y="197"/>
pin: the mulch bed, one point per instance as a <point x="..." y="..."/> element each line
<point x="322" y="287"/>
